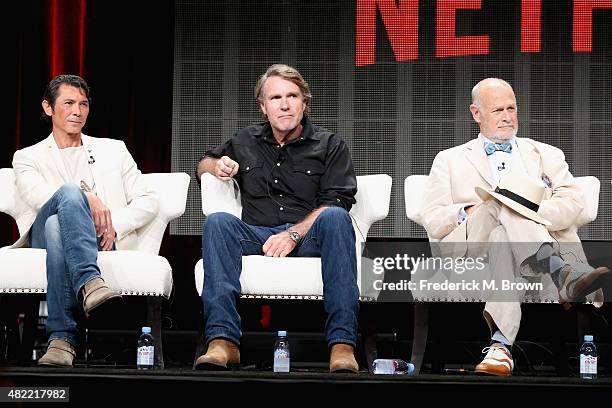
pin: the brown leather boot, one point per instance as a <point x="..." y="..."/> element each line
<point x="342" y="359"/>
<point x="59" y="353"/>
<point x="95" y="293"/>
<point x="221" y="353"/>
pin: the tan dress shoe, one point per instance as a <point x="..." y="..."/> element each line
<point x="342" y="359"/>
<point x="220" y="355"/>
<point x="498" y="361"/>
<point x="59" y="353"/>
<point x="95" y="293"/>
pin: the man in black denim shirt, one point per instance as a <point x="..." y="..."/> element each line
<point x="297" y="186"/>
<point x="283" y="183"/>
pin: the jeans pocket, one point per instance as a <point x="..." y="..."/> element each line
<point x="251" y="247"/>
<point x="309" y="247"/>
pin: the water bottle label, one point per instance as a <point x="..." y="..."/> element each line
<point x="145" y="356"/>
<point x="281" y="361"/>
<point x="588" y="364"/>
<point x="392" y="366"/>
<point x="281" y="353"/>
<point x="384" y="366"/>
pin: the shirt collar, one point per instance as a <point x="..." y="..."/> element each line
<point x="485" y="139"/>
<point x="308" y="131"/>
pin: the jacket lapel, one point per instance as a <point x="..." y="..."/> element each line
<point x="475" y="154"/>
<point x="530" y="157"/>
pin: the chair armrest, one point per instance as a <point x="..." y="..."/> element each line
<point x="220" y="196"/>
<point x="373" y="197"/>
<point x="10" y="200"/>
<point x="171" y="189"/>
<point x="590" y="187"/>
<point x="414" y="188"/>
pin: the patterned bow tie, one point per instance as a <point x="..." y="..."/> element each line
<point x="491" y="148"/>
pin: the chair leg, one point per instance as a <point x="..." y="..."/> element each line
<point x="419" y="339"/>
<point x="30" y="323"/>
<point x="154" y="315"/>
<point x="368" y="335"/>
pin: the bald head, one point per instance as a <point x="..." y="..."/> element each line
<point x="488" y="85"/>
<point x="494" y="109"/>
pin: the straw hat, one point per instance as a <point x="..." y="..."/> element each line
<point x="520" y="193"/>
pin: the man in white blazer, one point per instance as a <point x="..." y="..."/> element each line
<point x="455" y="213"/>
<point x="84" y="194"/>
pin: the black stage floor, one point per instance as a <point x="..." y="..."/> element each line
<point x="183" y="384"/>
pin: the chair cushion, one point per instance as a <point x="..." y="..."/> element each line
<point x="286" y="278"/>
<point x="275" y="277"/>
<point x="129" y="272"/>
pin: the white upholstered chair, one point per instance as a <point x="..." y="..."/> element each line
<point x="267" y="277"/>
<point x="414" y="188"/>
<point x="140" y="272"/>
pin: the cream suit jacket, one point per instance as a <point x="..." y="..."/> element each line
<point x="457" y="171"/>
<point x="40" y="172"/>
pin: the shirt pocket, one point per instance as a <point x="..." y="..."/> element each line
<point x="307" y="174"/>
<point x="253" y="179"/>
<point x="310" y="168"/>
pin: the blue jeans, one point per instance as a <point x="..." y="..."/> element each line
<point x="65" y="228"/>
<point x="226" y="239"/>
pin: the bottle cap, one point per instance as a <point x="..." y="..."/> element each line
<point x="588" y="337"/>
<point x="146" y="329"/>
<point x="282" y="333"/>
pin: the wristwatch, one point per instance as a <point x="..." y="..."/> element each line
<point x="295" y="236"/>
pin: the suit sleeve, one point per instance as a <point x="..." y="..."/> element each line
<point x="34" y="190"/>
<point x="564" y="200"/>
<point x="142" y="203"/>
<point x="439" y="213"/>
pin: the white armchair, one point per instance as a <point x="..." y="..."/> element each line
<point x="140" y="272"/>
<point x="414" y="189"/>
<point x="266" y="277"/>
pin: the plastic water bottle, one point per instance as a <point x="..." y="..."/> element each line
<point x="145" y="356"/>
<point x="392" y="366"/>
<point x="588" y="358"/>
<point x="282" y="357"/>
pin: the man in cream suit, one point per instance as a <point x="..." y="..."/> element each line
<point x="458" y="211"/>
<point x="85" y="194"/>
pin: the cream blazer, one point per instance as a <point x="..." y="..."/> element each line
<point x="456" y="172"/>
<point x="39" y="173"/>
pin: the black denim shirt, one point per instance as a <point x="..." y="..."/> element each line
<point x="283" y="184"/>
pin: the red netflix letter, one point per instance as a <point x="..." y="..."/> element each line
<point x="583" y="22"/>
<point x="531" y="16"/>
<point x="401" y="23"/>
<point x="447" y="45"/>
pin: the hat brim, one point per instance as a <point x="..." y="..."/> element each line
<point x="519" y="208"/>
